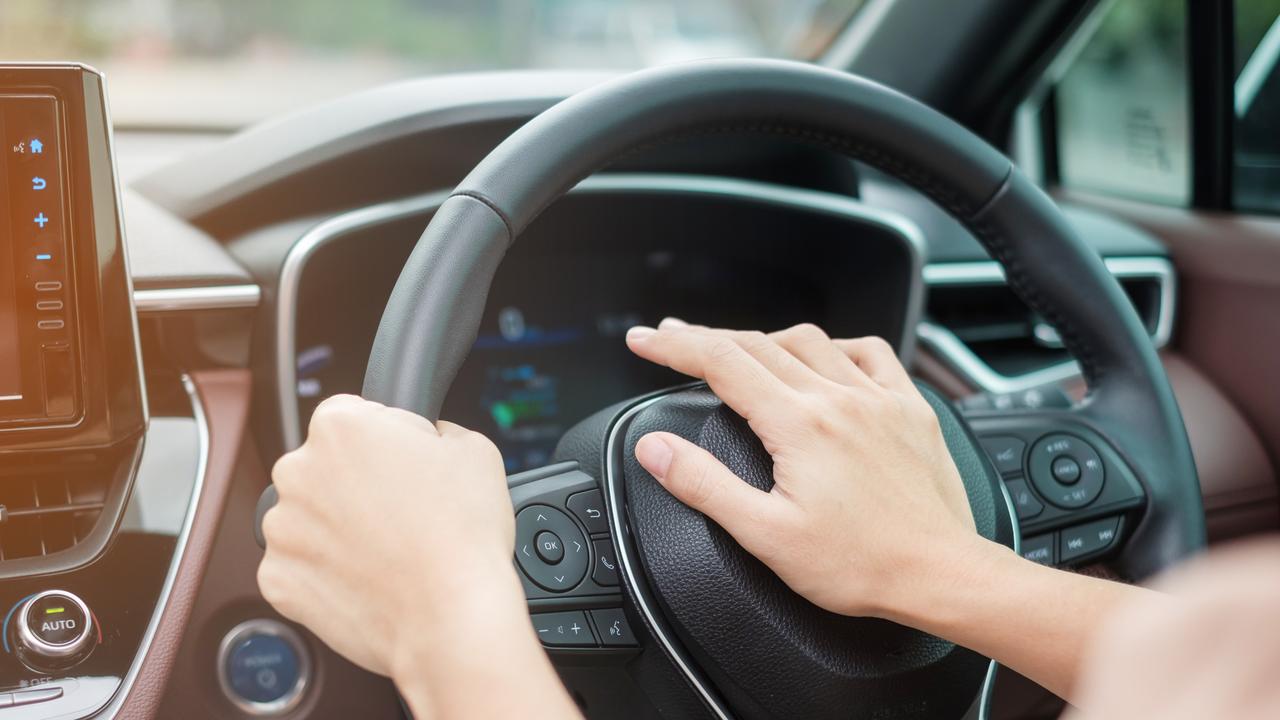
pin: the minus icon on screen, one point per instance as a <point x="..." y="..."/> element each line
<point x="44" y="256"/>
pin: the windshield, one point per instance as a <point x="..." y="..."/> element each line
<point x="226" y="63"/>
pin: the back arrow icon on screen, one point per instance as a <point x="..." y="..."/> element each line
<point x="38" y="183"/>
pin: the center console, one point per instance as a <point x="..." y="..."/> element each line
<point x="73" y="407"/>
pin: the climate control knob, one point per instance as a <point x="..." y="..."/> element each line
<point x="53" y="630"/>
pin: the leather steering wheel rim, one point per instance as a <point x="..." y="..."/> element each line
<point x="434" y="312"/>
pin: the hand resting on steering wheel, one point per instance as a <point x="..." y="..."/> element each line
<point x="392" y="536"/>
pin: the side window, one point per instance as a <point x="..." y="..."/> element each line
<point x="1256" y="182"/>
<point x="1121" y="108"/>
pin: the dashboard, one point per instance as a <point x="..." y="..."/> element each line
<point x="620" y="251"/>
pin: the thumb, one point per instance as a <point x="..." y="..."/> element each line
<point x="702" y="482"/>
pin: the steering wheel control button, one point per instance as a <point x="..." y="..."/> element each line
<point x="1024" y="501"/>
<point x="1088" y="539"/>
<point x="564" y="629"/>
<point x="589" y="508"/>
<point x="538" y="525"/>
<point x="612" y="628"/>
<point x="606" y="567"/>
<point x="1039" y="549"/>
<point x="53" y="630"/>
<point x="1066" y="470"/>
<point x="263" y="667"/>
<point x="547" y="545"/>
<point x="1005" y="452"/>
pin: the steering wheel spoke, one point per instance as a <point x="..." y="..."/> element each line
<point x="1075" y="497"/>
<point x="567" y="560"/>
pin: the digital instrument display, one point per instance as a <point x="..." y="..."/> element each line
<point x="37" y="338"/>
<point x="551" y="348"/>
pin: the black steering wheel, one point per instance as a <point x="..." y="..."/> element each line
<point x="696" y="606"/>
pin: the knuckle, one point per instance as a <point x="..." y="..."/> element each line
<point x="722" y="352"/>
<point x="286" y="473"/>
<point x="271" y="583"/>
<point x="876" y="345"/>
<point x="809" y="333"/>
<point x="697" y="484"/>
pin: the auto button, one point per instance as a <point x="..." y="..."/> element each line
<point x="54" y="630"/>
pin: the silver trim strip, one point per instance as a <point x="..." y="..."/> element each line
<point x="975" y="370"/>
<point x="179" y="553"/>
<point x="643" y="602"/>
<point x="321" y="235"/>
<point x="264" y="626"/>
<point x="219" y="297"/>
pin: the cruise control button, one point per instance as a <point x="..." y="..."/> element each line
<point x="1088" y="539"/>
<point x="1024" y="502"/>
<point x="1058" y="457"/>
<point x="1039" y="549"/>
<point x="1005" y="452"/>
<point x="606" y="568"/>
<point x="589" y="508"/>
<point x="1065" y="470"/>
<point x="563" y="629"/>
<point x="547" y="545"/>
<point x="613" y="629"/>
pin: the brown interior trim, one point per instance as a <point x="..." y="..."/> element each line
<point x="225" y="395"/>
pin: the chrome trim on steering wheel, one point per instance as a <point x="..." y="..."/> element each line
<point x="626" y="566"/>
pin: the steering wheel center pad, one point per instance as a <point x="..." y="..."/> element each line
<point x="769" y="651"/>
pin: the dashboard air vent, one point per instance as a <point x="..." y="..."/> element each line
<point x="44" y="513"/>
<point x="974" y="321"/>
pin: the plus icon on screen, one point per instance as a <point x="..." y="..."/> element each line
<point x="41" y="220"/>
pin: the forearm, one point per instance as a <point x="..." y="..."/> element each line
<point x="1032" y="619"/>
<point x="485" y="662"/>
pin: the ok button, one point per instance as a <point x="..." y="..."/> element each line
<point x="548" y="546"/>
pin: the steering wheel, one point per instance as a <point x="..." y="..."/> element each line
<point x="690" y="603"/>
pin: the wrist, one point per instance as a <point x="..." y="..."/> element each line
<point x="448" y="664"/>
<point x="936" y="584"/>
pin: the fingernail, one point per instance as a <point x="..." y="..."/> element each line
<point x="639" y="332"/>
<point x="672" y="322"/>
<point x="654" y="453"/>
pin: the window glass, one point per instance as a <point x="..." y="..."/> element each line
<point x="1122" y="118"/>
<point x="226" y="63"/>
<point x="1257" y="105"/>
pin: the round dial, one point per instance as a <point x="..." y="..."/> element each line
<point x="53" y="630"/>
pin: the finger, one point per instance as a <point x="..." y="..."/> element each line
<point x="878" y="360"/>
<point x="736" y="377"/>
<point x="776" y="359"/>
<point x="703" y="483"/>
<point x="785" y="366"/>
<point x="813" y="347"/>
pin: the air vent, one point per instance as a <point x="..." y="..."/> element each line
<point x="976" y="323"/>
<point x="45" y="513"/>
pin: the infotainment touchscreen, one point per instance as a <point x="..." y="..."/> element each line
<point x="37" y="329"/>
